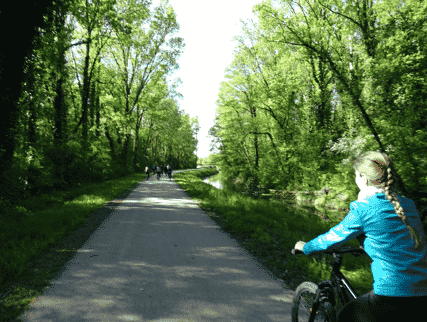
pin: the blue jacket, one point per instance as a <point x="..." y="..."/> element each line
<point x="397" y="268"/>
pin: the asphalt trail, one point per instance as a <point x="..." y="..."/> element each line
<point x="159" y="257"/>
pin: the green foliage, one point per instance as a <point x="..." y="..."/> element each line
<point x="112" y="119"/>
<point x="212" y="159"/>
<point x="293" y="115"/>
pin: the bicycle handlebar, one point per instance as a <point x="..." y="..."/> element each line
<point x="296" y="251"/>
<point x="354" y="251"/>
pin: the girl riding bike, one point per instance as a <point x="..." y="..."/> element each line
<point x="394" y="239"/>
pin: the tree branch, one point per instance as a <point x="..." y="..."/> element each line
<point x="351" y="19"/>
<point x="79" y="43"/>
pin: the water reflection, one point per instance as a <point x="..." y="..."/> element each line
<point x="216" y="184"/>
<point x="214" y="181"/>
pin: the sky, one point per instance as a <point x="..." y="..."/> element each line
<point x="207" y="28"/>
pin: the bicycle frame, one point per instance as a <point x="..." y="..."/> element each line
<point x="339" y="286"/>
<point x="342" y="286"/>
<point x="323" y="296"/>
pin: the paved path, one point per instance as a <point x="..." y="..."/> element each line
<point x="159" y="257"/>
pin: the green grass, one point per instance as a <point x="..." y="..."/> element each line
<point x="35" y="248"/>
<point x="269" y="230"/>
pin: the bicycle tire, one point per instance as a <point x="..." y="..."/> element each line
<point x="301" y="309"/>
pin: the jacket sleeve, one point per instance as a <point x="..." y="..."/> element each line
<point x="349" y="228"/>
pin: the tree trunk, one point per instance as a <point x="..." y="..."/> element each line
<point x="147" y="142"/>
<point x="58" y="134"/>
<point x="98" y="117"/>
<point x="17" y="22"/>
<point x="110" y="140"/>
<point x="135" y="151"/>
<point x="32" y="135"/>
<point x="97" y="104"/>
<point x="126" y="149"/>
<point x="85" y="94"/>
<point x="58" y="103"/>
<point x="256" y="145"/>
<point x="92" y="104"/>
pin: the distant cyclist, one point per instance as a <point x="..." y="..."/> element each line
<point x="147" y="173"/>
<point x="169" y="170"/>
<point x="159" y="172"/>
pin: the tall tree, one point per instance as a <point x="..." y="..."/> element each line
<point x="91" y="16"/>
<point x="16" y="22"/>
<point x="147" y="55"/>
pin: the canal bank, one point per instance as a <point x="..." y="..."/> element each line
<point x="325" y="202"/>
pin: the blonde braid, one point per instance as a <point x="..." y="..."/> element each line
<point x="399" y="210"/>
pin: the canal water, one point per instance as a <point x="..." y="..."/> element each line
<point x="300" y="199"/>
<point x="215" y="181"/>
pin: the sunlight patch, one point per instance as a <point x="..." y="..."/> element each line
<point x="179" y="203"/>
<point x="102" y="302"/>
<point x="129" y="318"/>
<point x="283" y="298"/>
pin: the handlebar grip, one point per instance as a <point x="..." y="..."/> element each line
<point x="296" y="251"/>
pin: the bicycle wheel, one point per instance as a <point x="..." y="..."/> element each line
<point x="303" y="301"/>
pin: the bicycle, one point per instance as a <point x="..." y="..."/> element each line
<point x="158" y="175"/>
<point x="325" y="300"/>
<point x="170" y="175"/>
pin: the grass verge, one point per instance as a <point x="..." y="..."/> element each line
<point x="37" y="246"/>
<point x="268" y="230"/>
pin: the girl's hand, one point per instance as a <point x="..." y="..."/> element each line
<point x="300" y="245"/>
